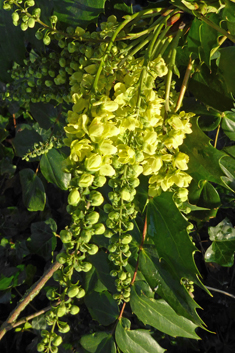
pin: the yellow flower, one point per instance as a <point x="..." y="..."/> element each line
<point x="181" y="161"/>
<point x="126" y="154"/>
<point x="107" y="170"/>
<point x="93" y="162"/>
<point x="81" y="149"/>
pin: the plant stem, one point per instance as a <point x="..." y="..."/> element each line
<point x="184" y="84"/>
<point x="171" y="57"/>
<point x="160" y="39"/>
<point x="220" y="42"/>
<point x="30" y="317"/>
<point x="28" y="297"/>
<point x="122" y="25"/>
<point x="216" y="136"/>
<point x="137" y="48"/>
<point x="137" y="265"/>
<point x="221" y="291"/>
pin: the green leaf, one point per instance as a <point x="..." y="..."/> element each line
<point x="227" y="56"/>
<point x="228" y="15"/>
<point x="166" y="282"/>
<point x="135" y="341"/>
<point x="6" y="167"/>
<point x="204" y="194"/>
<point x="3" y="134"/>
<point x="171" y="238"/>
<point x="5" y="282"/>
<point x="121" y="6"/>
<point x="230" y="151"/>
<point x="222" y="248"/>
<point x="102" y="307"/>
<point x="43" y="239"/>
<point x="39" y="323"/>
<point x="98" y="342"/>
<point x="12" y="277"/>
<point x="209" y="118"/>
<point x="78" y="12"/>
<point x="202" y="38"/>
<point x="159" y="314"/>
<point x="228" y="124"/>
<point x="51" y="168"/>
<point x="102" y="267"/>
<point x="209" y="87"/>
<point x="25" y="139"/>
<point x="203" y="158"/>
<point x="33" y="192"/>
<point x="227" y="164"/>
<point x="12" y="46"/>
<point x="44" y="114"/>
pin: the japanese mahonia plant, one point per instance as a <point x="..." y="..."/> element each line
<point x="122" y="124"/>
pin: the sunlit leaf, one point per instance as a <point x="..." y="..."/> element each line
<point x="160" y="315"/>
<point x="135" y="341"/>
<point x="78" y="12"/>
<point x="166" y="282"/>
<point x="52" y="170"/>
<point x="171" y="238"/>
<point x="98" y="342"/>
<point x="222" y="248"/>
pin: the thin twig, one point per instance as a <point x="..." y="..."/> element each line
<point x="18" y="292"/>
<point x="28" y="297"/>
<point x="221" y="291"/>
<point x="184" y="84"/>
<point x="216" y="136"/>
<point x="30" y="317"/>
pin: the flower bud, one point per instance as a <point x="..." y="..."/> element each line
<point x="86" y="267"/>
<point x="39" y="35"/>
<point x="57" y="341"/>
<point x="46" y="40"/>
<point x="63" y="327"/>
<point x="79" y="31"/>
<point x="74" y="197"/>
<point x="92" y="217"/>
<point x="96" y="198"/>
<point x="94" y="162"/>
<point x="93" y="249"/>
<point x="126" y="239"/>
<point x="86" y="180"/>
<point x="36" y="12"/>
<point x="125" y="194"/>
<point x="99" y="181"/>
<point x="61" y="310"/>
<point x="74" y="310"/>
<point x="99" y="228"/>
<point x="65" y="236"/>
<point x="85" y="236"/>
<point x="15" y="17"/>
<point x="73" y="291"/>
<point x="31" y="22"/>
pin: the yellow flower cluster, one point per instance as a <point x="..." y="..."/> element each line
<point x="102" y="129"/>
<point x="118" y="129"/>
